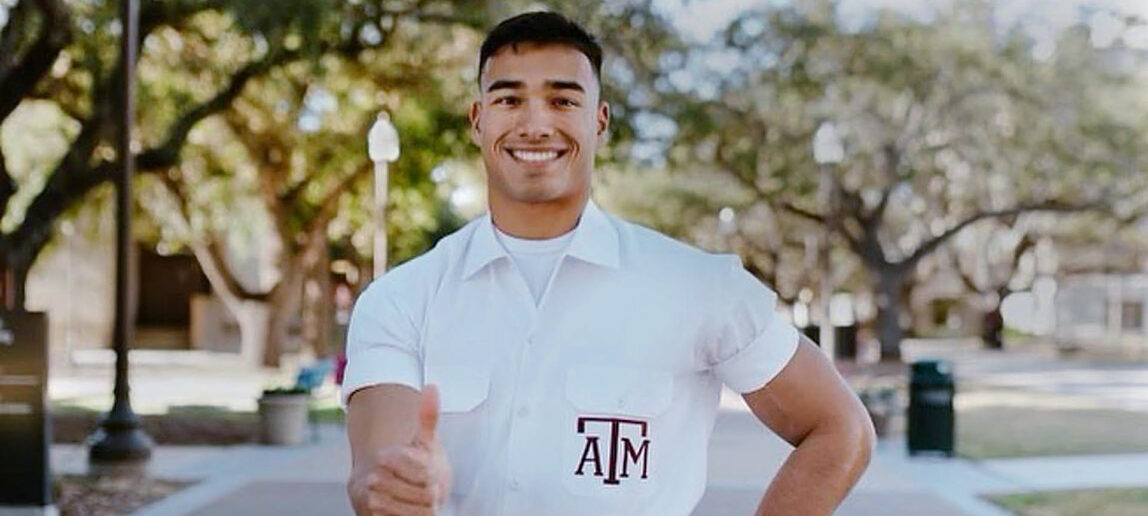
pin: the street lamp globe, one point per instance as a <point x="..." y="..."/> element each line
<point x="727" y="221"/>
<point x="383" y="140"/>
<point x="827" y="146"/>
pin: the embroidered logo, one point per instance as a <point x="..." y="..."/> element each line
<point x="623" y="444"/>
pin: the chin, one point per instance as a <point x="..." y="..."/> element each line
<point x="536" y="197"/>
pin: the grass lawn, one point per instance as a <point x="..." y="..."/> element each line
<point x="1090" y="502"/>
<point x="1004" y="431"/>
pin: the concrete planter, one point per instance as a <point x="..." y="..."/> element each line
<point x="283" y="418"/>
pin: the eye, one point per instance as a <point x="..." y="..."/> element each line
<point x="565" y="102"/>
<point x="508" y="101"/>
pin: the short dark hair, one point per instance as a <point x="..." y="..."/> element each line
<point x="541" y="27"/>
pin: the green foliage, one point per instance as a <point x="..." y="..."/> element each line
<point x="292" y="150"/>
<point x="944" y="123"/>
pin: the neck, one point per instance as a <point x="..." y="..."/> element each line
<point x="538" y="221"/>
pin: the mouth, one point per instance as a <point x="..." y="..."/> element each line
<point x="536" y="156"/>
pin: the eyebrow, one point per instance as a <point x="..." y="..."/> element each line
<point x="514" y="85"/>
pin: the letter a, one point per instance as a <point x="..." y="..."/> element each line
<point x="591" y="446"/>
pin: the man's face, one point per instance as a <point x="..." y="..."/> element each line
<point x="539" y="121"/>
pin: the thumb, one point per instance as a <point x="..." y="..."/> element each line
<point x="428" y="416"/>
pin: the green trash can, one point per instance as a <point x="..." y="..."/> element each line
<point x="930" y="418"/>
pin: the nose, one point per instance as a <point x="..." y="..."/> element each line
<point x="535" y="123"/>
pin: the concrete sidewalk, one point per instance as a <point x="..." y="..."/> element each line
<point x="309" y="480"/>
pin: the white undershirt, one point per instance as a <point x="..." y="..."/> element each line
<point x="535" y="259"/>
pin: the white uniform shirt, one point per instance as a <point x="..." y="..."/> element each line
<point x="598" y="400"/>
<point x="535" y="259"/>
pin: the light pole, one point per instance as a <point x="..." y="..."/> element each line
<point x="121" y="440"/>
<point x="382" y="148"/>
<point x="828" y="151"/>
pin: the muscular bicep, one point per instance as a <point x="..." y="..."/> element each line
<point x="380" y="416"/>
<point x="807" y="393"/>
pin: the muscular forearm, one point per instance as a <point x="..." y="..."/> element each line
<point x="819" y="473"/>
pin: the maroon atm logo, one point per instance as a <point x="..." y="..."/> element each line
<point x="614" y="458"/>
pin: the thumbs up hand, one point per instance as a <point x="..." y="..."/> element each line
<point x="412" y="479"/>
<point x="428" y="417"/>
<point x="438" y="478"/>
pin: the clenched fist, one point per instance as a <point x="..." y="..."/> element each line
<point x="408" y="480"/>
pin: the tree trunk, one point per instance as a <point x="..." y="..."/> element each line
<point x="278" y="324"/>
<point x="19" y="271"/>
<point x="15" y="271"/>
<point x="889" y="329"/>
<point x="283" y="303"/>
<point x="992" y="329"/>
<point x="254" y="330"/>
<point x="318" y="298"/>
<point x="993" y="323"/>
<point x="263" y="331"/>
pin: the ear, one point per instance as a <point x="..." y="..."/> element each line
<point x="473" y="116"/>
<point x="603" y="120"/>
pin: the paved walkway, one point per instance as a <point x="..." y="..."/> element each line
<point x="309" y="479"/>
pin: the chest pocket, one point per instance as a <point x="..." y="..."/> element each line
<point x="461" y="387"/>
<point x="463" y="424"/>
<point x="620" y="390"/>
<point x="611" y="448"/>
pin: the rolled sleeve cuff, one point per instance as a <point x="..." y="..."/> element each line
<point x="374" y="366"/>
<point x="756" y="364"/>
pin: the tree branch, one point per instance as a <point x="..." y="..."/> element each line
<point x="168" y="152"/>
<point x="12" y="34"/>
<point x="62" y="188"/>
<point x="207" y="250"/>
<point x="803" y="213"/>
<point x="930" y="245"/>
<point x="1026" y="243"/>
<point x="7" y="185"/>
<point x="74" y="177"/>
<point x="330" y="202"/>
<point x="22" y="77"/>
<point x="966" y="278"/>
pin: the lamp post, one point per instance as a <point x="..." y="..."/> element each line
<point x="121" y="440"/>
<point x="828" y="152"/>
<point x="382" y="148"/>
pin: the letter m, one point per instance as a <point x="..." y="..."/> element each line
<point x="630" y="454"/>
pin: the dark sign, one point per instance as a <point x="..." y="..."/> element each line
<point x="25" y="479"/>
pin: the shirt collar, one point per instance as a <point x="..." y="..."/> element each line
<point x="595" y="241"/>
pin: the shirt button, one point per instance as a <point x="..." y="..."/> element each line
<point x="523" y="411"/>
<point x="515" y="484"/>
<point x="621" y="403"/>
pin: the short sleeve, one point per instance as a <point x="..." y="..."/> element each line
<point x="382" y="343"/>
<point x="753" y="342"/>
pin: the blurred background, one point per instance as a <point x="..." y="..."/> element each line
<point x="961" y="181"/>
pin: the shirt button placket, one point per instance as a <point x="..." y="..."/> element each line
<point x="513" y="501"/>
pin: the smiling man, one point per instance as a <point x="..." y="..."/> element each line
<point x="549" y="358"/>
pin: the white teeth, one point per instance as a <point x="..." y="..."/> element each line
<point x="534" y="155"/>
